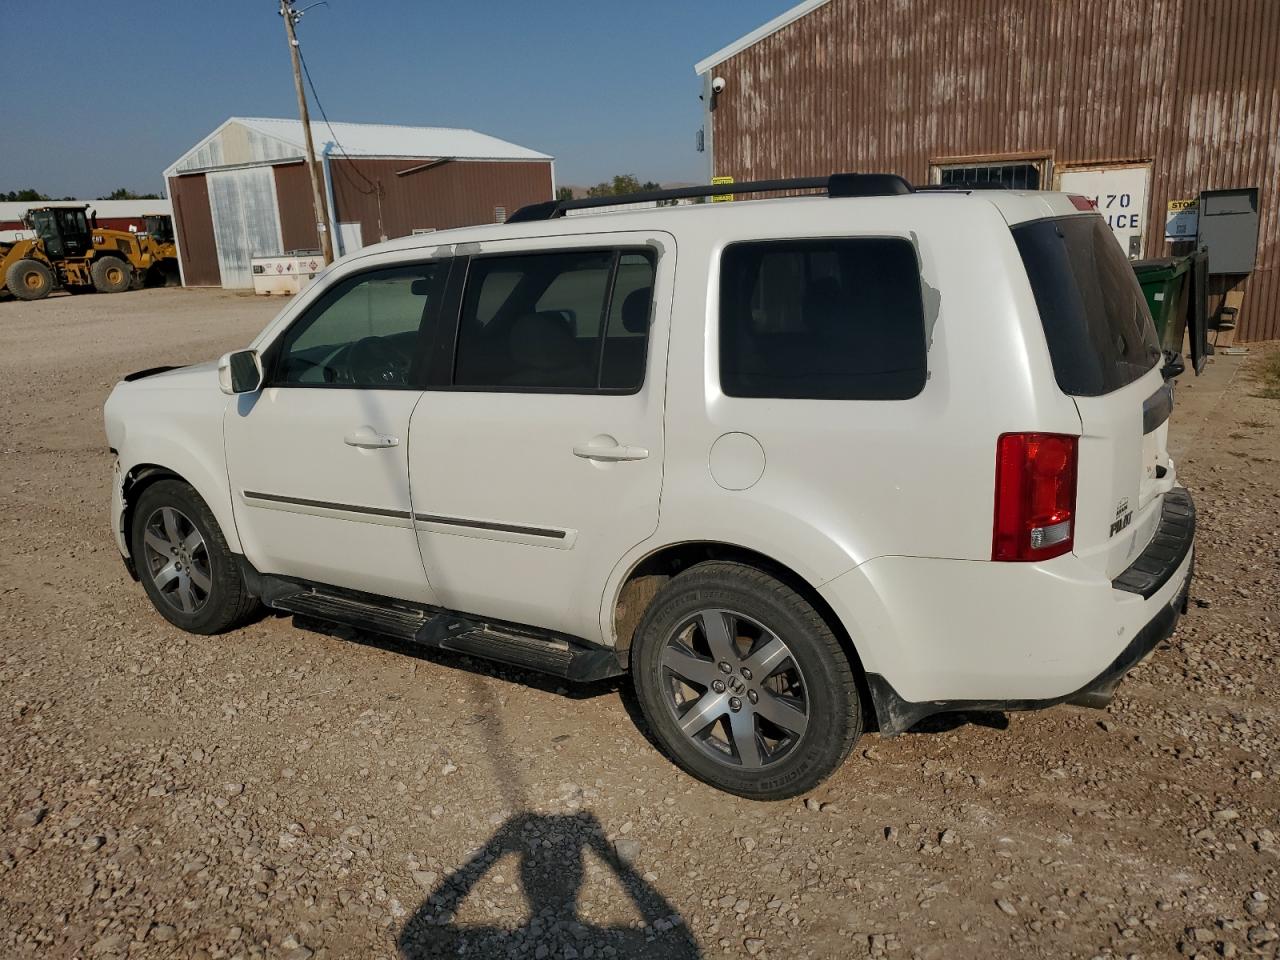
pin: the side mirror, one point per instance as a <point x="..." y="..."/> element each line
<point x="240" y="372"/>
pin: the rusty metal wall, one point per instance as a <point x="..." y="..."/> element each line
<point x="1192" y="86"/>
<point x="193" y="229"/>
<point x="454" y="193"/>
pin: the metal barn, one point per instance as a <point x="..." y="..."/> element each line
<point x="244" y="192"/>
<point x="1142" y="104"/>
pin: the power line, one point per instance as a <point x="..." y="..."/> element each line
<point x="373" y="188"/>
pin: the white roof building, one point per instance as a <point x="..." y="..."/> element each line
<point x="244" y="191"/>
<point x="241" y="140"/>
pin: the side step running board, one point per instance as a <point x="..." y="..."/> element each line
<point x="441" y="630"/>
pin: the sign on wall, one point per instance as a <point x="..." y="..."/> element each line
<point x="1182" y="220"/>
<point x="1119" y="191"/>
<point x="721" y="197"/>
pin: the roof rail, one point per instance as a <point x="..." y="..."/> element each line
<point x="835" y="185"/>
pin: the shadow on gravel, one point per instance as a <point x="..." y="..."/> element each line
<point x="551" y="850"/>
<point x="943" y="722"/>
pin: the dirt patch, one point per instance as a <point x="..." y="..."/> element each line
<point x="280" y="793"/>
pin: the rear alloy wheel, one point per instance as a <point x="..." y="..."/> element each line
<point x="111" y="275"/>
<point x="734" y="688"/>
<point x="29" y="280"/>
<point x="184" y="563"/>
<point x="744" y="683"/>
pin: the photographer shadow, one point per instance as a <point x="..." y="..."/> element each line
<point x="551" y="851"/>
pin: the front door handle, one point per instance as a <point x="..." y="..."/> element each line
<point x="607" y="449"/>
<point x="369" y="439"/>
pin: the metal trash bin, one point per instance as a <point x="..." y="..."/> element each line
<point x="1166" y="283"/>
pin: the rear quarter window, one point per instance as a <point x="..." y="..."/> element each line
<point x="1095" y="319"/>
<point x="829" y="319"/>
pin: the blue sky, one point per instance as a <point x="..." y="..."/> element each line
<point x="96" y="100"/>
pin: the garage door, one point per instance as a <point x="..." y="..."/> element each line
<point x="246" y="221"/>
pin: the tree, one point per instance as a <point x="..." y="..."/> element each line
<point x="121" y="193"/>
<point x="564" y="193"/>
<point x="20" y="195"/>
<point x="620" y="184"/>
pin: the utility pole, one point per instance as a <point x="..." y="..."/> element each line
<point x="291" y="18"/>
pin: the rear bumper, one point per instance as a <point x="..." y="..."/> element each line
<point x="965" y="635"/>
<point x="896" y="715"/>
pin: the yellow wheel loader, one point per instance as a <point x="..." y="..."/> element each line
<point x="69" y="252"/>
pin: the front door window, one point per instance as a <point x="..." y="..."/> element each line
<point x="369" y="331"/>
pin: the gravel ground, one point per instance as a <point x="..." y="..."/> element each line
<point x="281" y="793"/>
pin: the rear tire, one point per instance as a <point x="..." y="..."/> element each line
<point x="767" y="707"/>
<point x="111" y="275"/>
<point x="29" y="280"/>
<point x="184" y="563"/>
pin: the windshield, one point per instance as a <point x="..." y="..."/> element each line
<point x="43" y="225"/>
<point x="158" y="227"/>
<point x="1095" y="318"/>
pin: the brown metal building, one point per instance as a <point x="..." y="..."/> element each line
<point x="244" y="191"/>
<point x="1149" y="101"/>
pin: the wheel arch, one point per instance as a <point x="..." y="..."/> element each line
<point x="647" y="575"/>
<point x="137" y="478"/>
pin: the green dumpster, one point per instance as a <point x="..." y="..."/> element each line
<point x="1166" y="283"/>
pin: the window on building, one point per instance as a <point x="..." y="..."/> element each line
<point x="367" y="331"/>
<point x="1023" y="175"/>
<point x="822" y="319"/>
<point x="575" y="321"/>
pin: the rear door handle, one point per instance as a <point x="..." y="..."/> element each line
<point x="608" y="450"/>
<point x="369" y="439"/>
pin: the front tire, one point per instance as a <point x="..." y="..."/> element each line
<point x="744" y="684"/>
<point x="29" y="279"/>
<point x="111" y="275"/>
<point x="184" y="563"/>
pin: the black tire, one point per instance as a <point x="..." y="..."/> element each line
<point x="29" y="279"/>
<point x="226" y="602"/>
<point x="764" y="610"/>
<point x="111" y="275"/>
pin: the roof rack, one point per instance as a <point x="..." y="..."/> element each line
<point x="835" y="185"/>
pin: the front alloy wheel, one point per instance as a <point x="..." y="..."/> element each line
<point x="180" y="555"/>
<point x="177" y="560"/>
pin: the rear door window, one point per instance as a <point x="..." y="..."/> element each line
<point x="574" y="321"/>
<point x="830" y="319"/>
<point x="1095" y="319"/>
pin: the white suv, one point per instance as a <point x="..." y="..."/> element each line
<point x="798" y="465"/>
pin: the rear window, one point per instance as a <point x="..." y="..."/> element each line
<point x="837" y="319"/>
<point x="1095" y="319"/>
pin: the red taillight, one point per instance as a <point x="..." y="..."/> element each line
<point x="1083" y="203"/>
<point x="1035" y="496"/>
